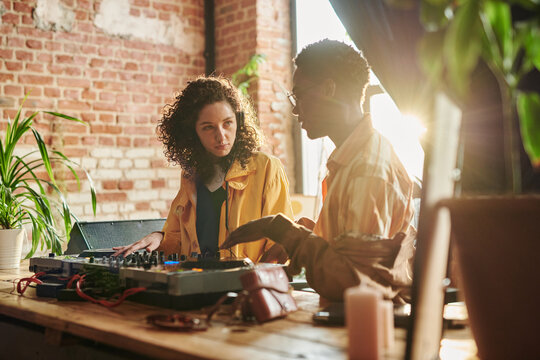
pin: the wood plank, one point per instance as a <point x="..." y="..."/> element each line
<point x="294" y="337"/>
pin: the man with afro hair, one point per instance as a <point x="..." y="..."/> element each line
<point x="363" y="233"/>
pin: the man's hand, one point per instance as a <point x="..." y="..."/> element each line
<point x="150" y="242"/>
<point x="276" y="254"/>
<point x="251" y="231"/>
<point x="307" y="222"/>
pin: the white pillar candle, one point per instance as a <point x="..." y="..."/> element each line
<point x="387" y="309"/>
<point x="364" y="324"/>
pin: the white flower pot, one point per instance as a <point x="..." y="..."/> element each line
<point x="11" y="241"/>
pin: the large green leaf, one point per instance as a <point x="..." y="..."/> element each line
<point x="499" y="17"/>
<point x="532" y="46"/>
<point x="528" y="105"/>
<point x="463" y="45"/>
<point x="433" y="15"/>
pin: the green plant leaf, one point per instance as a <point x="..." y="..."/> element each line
<point x="532" y="45"/>
<point x="528" y="105"/>
<point x="44" y="154"/>
<point x="499" y="17"/>
<point x="24" y="197"/>
<point x="67" y="117"/>
<point x="463" y="45"/>
<point x="433" y="14"/>
<point x="249" y="72"/>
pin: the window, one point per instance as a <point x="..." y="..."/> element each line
<point x="402" y="131"/>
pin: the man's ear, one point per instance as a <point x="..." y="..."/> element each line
<point x="329" y="87"/>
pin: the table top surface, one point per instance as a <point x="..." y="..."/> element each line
<point x="125" y="326"/>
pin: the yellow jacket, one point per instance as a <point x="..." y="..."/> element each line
<point x="258" y="190"/>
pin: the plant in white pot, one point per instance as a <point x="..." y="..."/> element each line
<point x="29" y="198"/>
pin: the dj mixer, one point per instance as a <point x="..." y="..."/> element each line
<point x="173" y="282"/>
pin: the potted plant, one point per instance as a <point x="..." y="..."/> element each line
<point x="26" y="197"/>
<point x="495" y="236"/>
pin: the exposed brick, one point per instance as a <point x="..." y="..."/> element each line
<point x="97" y="62"/>
<point x="13" y="66"/>
<point x="72" y="71"/>
<point x="140" y="142"/>
<point x="88" y="140"/>
<point x="123" y="141"/>
<point x="160" y="183"/>
<point x="10" y="18"/>
<point x="89" y="49"/>
<point x="13" y="90"/>
<point x="124" y="108"/>
<point x="125" y="185"/>
<point x="109" y="85"/>
<point x="131" y="66"/>
<point x="166" y="7"/>
<point x="24" y="55"/>
<point x="36" y="79"/>
<point x="15" y="42"/>
<point x="71" y="140"/>
<point x="34" y="44"/>
<point x="142" y="206"/>
<point x="73" y="105"/>
<point x="101" y="106"/>
<point x="106" y="140"/>
<point x="106" y="129"/>
<point x="74" y="82"/>
<point x="111" y="197"/>
<point x="106" y="118"/>
<point x="34" y="67"/>
<point x="141" y="3"/>
<point x="52" y="92"/>
<point x="110" y="184"/>
<point x="88" y="94"/>
<point x="64" y="59"/>
<point x="6" y="54"/>
<point x="21" y="7"/>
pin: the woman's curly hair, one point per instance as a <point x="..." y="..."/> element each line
<point x="176" y="128"/>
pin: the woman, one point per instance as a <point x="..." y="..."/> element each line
<point x="211" y="132"/>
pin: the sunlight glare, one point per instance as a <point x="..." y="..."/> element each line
<point x="403" y="131"/>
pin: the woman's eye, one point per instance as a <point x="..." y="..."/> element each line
<point x="206" y="128"/>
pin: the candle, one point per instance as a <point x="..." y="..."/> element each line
<point x="363" y="317"/>
<point x="387" y="309"/>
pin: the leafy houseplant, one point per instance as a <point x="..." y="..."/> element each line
<point x="25" y="197"/>
<point x="243" y="77"/>
<point x="462" y="33"/>
<point x="494" y="236"/>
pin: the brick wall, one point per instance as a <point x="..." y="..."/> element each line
<point x="248" y="27"/>
<point x="114" y="64"/>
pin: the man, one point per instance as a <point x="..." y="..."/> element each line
<point x="363" y="233"/>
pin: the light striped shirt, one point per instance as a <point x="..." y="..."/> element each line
<point x="368" y="189"/>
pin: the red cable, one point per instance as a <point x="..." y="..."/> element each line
<point x="28" y="280"/>
<point x="125" y="294"/>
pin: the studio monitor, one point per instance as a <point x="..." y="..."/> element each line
<point x="89" y="235"/>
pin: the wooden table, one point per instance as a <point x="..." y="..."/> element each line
<point x="124" y="327"/>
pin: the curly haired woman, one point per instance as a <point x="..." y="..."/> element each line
<point x="211" y="132"/>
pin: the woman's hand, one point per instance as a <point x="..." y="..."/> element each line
<point x="150" y="242"/>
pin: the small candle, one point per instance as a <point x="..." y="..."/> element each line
<point x="387" y="310"/>
<point x="363" y="317"/>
